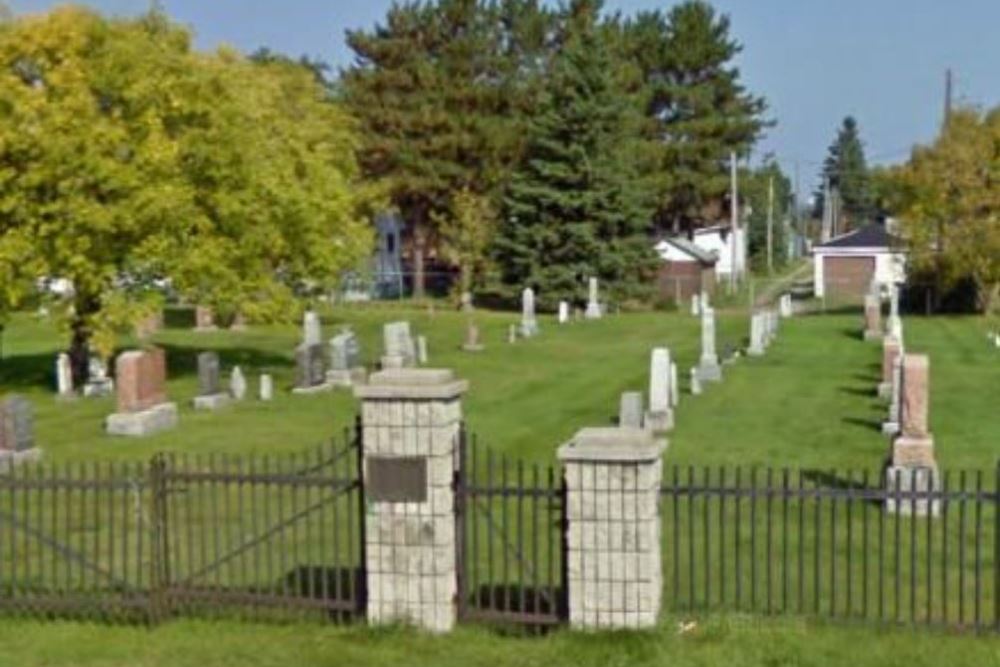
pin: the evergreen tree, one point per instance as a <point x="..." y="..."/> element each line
<point x="440" y="90"/>
<point x="574" y="207"/>
<point x="847" y="170"/>
<point x="697" y="110"/>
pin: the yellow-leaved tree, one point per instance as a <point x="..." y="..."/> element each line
<point x="130" y="161"/>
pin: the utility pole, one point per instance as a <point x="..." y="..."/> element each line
<point x="826" y="226"/>
<point x="799" y="232"/>
<point x="770" y="223"/>
<point x="947" y="95"/>
<point x="734" y="207"/>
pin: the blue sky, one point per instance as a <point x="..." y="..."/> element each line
<point x="814" y="60"/>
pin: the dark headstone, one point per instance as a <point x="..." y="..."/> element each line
<point x="310" y="368"/>
<point x="17" y="424"/>
<point x="208" y="373"/>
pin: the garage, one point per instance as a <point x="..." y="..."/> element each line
<point x="844" y="268"/>
<point x="848" y="276"/>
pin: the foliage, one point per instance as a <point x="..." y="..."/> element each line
<point x="127" y="159"/>
<point x="950" y="204"/>
<point x="754" y="186"/>
<point x="574" y="207"/>
<point x="847" y="170"/>
<point x="441" y="89"/>
<point x="466" y="233"/>
<point x="697" y="111"/>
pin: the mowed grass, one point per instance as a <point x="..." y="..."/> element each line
<point x="809" y="403"/>
<point x="713" y="641"/>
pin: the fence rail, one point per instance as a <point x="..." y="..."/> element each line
<point x="821" y="543"/>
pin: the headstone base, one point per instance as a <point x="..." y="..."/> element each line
<point x="872" y="335"/>
<point x="890" y="429"/>
<point x="917" y="480"/>
<point x="96" y="388"/>
<point x="346" y="378"/>
<point x="528" y="329"/>
<point x="593" y="311"/>
<point x="211" y="401"/>
<point x="709" y="371"/>
<point x="659" y="422"/>
<point x="756" y="351"/>
<point x="885" y="390"/>
<point x="137" y="424"/>
<point x="913" y="452"/>
<point x="475" y="347"/>
<point x="10" y="460"/>
<point x="315" y="389"/>
<point x="393" y="361"/>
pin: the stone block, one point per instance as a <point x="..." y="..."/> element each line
<point x="12" y="459"/>
<point x="145" y="422"/>
<point x="901" y="481"/>
<point x="211" y="401"/>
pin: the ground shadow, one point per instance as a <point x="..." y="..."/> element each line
<point x="872" y="424"/>
<point x="183" y="359"/>
<point x="30" y="370"/>
<point x="828" y="479"/>
<point x="858" y="391"/>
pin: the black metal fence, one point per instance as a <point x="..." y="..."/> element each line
<point x="511" y="525"/>
<point x="186" y="535"/>
<point x="823" y="543"/>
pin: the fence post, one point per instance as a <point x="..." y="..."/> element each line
<point x="613" y="558"/>
<point x="158" y="541"/>
<point x="411" y="421"/>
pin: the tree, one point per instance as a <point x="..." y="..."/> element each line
<point x="440" y="89"/>
<point x="949" y="203"/>
<point x="847" y="170"/>
<point x="574" y="208"/>
<point x="757" y="187"/>
<point x="466" y="233"/>
<point x="128" y="161"/>
<point x="697" y="111"/>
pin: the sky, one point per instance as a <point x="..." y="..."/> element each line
<point x="815" y="61"/>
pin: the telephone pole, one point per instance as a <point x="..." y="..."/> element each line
<point x="948" y="83"/>
<point x="770" y="224"/>
<point x="734" y="206"/>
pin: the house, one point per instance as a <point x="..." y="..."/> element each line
<point x="686" y="269"/>
<point x="847" y="265"/>
<point x="726" y="246"/>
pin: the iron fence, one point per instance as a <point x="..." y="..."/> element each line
<point x="824" y="543"/>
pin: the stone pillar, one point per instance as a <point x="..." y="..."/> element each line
<point x="891" y="348"/>
<point x="708" y="366"/>
<point x="873" y="317"/>
<point x="757" y="335"/>
<point x="913" y="466"/>
<point x="410" y="430"/>
<point x="613" y="559"/>
<point x="660" y="416"/>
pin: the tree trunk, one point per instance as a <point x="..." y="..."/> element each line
<point x="419" y="248"/>
<point x="79" y="346"/>
<point x="988" y="296"/>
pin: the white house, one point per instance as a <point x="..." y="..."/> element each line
<point x="847" y="265"/>
<point x="720" y="241"/>
<point x="685" y="269"/>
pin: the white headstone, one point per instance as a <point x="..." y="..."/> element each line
<point x="593" y="311"/>
<point x="708" y="366"/>
<point x="757" y="335"/>
<point x="675" y="388"/>
<point x="312" y="333"/>
<point x="659" y="380"/>
<point x="630" y="410"/>
<point x="529" y="322"/>
<point x="704" y="305"/>
<point x="266" y="387"/>
<point x="785" y="304"/>
<point x="64" y="375"/>
<point x="400" y="348"/>
<point x="695" y="382"/>
<point x="695" y="305"/>
<point x="237" y="384"/>
<point x="563" y="312"/>
<point x="422" y="350"/>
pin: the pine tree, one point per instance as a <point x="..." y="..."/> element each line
<point x="847" y="170"/>
<point x="574" y="207"/>
<point x="697" y="110"/>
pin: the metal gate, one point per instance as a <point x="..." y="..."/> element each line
<point x="510" y="528"/>
<point x="263" y="534"/>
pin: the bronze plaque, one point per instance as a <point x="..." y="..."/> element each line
<point x="397" y="479"/>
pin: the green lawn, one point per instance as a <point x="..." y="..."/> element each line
<point x="716" y="641"/>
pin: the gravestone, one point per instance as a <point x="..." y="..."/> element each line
<point x="210" y="396"/>
<point x="529" y="322"/>
<point x="708" y="366"/>
<point x="346" y="368"/>
<point x="472" y="343"/>
<point x="64" y="376"/>
<point x="913" y="467"/>
<point x="695" y="382"/>
<point x="400" y="349"/>
<point x="630" y="410"/>
<point x="660" y="417"/>
<point x="204" y="319"/>
<point x="873" y="317"/>
<point x="891" y="348"/>
<point x="675" y="388"/>
<point x="785" y="305"/>
<point x="98" y="383"/>
<point x="266" y="387"/>
<point x="890" y="427"/>
<point x="895" y="325"/>
<point x="237" y="384"/>
<point x="594" y="310"/>
<point x="422" y="350"/>
<point x="512" y="333"/>
<point x="563" y="312"/>
<point x="17" y="433"/>
<point x="310" y="370"/>
<point x="695" y="305"/>
<point x="312" y="332"/>
<point x="757" y="335"/>
<point x="140" y="384"/>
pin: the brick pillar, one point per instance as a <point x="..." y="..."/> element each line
<point x="613" y="560"/>
<point x="410" y="431"/>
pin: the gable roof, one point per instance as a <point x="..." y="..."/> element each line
<point x="690" y="248"/>
<point x="873" y="235"/>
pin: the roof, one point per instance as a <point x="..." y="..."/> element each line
<point x="692" y="249"/>
<point x="873" y="235"/>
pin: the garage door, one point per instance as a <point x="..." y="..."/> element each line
<point x="848" y="276"/>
